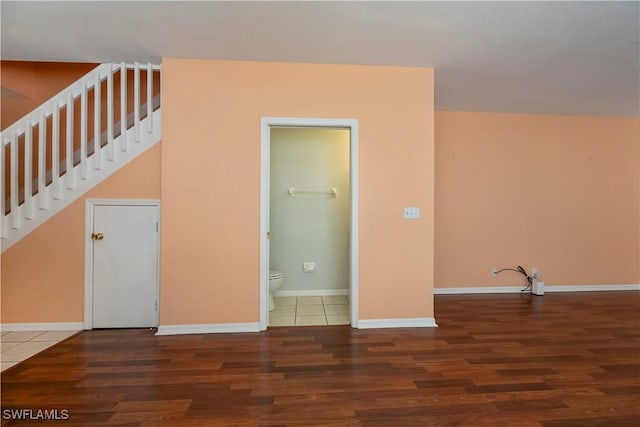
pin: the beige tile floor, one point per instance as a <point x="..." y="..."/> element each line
<point x="18" y="346"/>
<point x="308" y="311"/>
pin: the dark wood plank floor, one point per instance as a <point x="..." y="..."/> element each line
<point x="562" y="360"/>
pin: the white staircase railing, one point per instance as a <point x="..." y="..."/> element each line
<point x="73" y="141"/>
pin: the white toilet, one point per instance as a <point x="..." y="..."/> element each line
<point x="275" y="281"/>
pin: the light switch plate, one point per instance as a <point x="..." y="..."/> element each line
<point x="412" y="213"/>
<point x="308" y="267"/>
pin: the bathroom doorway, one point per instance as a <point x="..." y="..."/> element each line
<point x="308" y="224"/>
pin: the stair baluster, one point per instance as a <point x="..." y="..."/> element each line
<point x="59" y="165"/>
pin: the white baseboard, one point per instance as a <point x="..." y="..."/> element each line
<point x="414" y="322"/>
<point x="208" y="328"/>
<point x="312" y="293"/>
<point x="547" y="289"/>
<point x="591" y="288"/>
<point x="54" y="326"/>
<point x="478" y="290"/>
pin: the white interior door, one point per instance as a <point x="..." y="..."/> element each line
<point x="125" y="269"/>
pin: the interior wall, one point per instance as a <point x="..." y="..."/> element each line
<point x="559" y="193"/>
<point x="310" y="228"/>
<point x="26" y="85"/>
<point x="43" y="274"/>
<point x="211" y="181"/>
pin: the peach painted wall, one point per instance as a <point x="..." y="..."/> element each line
<point x="211" y="136"/>
<point x="43" y="274"/>
<point x="32" y="83"/>
<point x="560" y="193"/>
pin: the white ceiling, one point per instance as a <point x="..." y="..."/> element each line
<point x="535" y="57"/>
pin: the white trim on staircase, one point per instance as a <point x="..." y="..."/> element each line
<point x="208" y="328"/>
<point x="547" y="289"/>
<point x="87" y="81"/>
<point x="147" y="140"/>
<point x="52" y="326"/>
<point x="77" y="155"/>
<point x="89" y="168"/>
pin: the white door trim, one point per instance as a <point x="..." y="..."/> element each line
<point x="265" y="142"/>
<point x="88" y="251"/>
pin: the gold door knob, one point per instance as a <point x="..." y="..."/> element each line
<point x="97" y="236"/>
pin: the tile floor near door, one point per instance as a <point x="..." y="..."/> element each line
<point x="307" y="311"/>
<point x="18" y="346"/>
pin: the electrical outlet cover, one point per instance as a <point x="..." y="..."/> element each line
<point x="412" y="213"/>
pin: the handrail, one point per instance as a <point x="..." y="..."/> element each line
<point x="61" y="98"/>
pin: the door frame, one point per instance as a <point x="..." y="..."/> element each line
<point x="265" y="143"/>
<point x="88" y="251"/>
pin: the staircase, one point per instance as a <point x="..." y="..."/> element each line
<point x="73" y="141"/>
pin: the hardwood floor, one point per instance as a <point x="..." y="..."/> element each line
<point x="562" y="360"/>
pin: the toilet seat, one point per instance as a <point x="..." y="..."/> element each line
<point x="274" y="274"/>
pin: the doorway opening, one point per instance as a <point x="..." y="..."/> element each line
<point x="121" y="263"/>
<point x="308" y="221"/>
